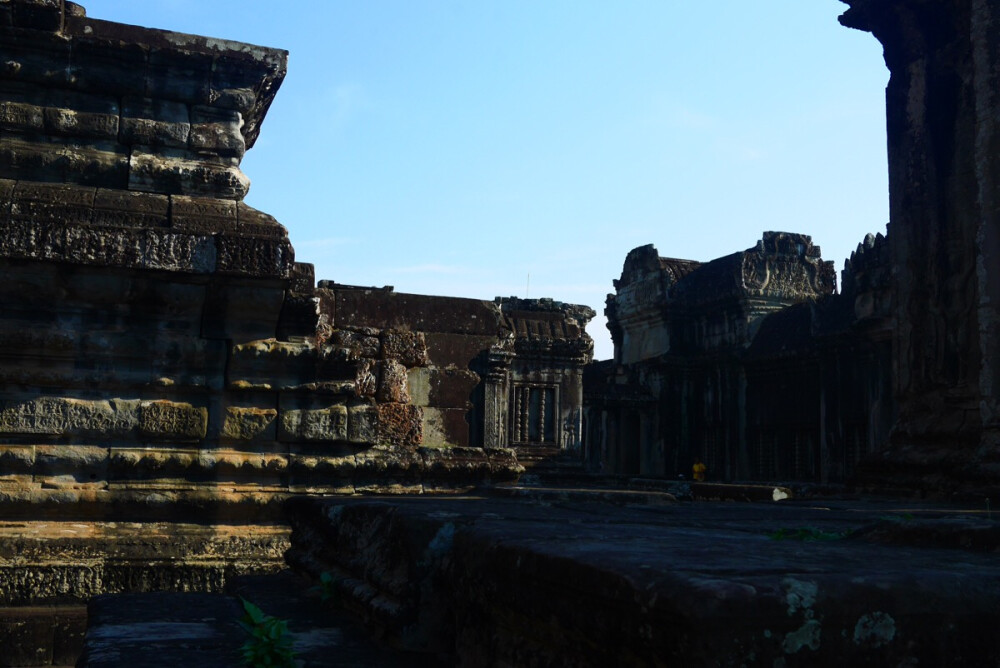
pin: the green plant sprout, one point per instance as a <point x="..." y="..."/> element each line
<point x="269" y="645"/>
<point x="327" y="587"/>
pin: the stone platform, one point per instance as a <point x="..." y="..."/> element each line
<point x="562" y="581"/>
<point x="585" y="577"/>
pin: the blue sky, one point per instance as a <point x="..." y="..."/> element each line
<point x="458" y="148"/>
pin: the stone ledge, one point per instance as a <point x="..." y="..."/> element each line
<point x="504" y="582"/>
<point x="117" y="228"/>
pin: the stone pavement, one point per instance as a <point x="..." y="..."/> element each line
<point x="195" y="630"/>
<point x="560" y="580"/>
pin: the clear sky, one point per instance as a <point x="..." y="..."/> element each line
<point x="459" y="147"/>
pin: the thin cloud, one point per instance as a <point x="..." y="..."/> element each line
<point x="324" y="244"/>
<point x="693" y="120"/>
<point x="346" y="102"/>
<point x="429" y="268"/>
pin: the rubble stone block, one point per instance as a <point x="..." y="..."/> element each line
<point x="408" y="348"/>
<point x="365" y="342"/>
<point x="392" y="382"/>
<point x="325" y="424"/>
<point x="400" y="424"/>
<point x="171" y="420"/>
<point x="248" y="423"/>
<point x="365" y="381"/>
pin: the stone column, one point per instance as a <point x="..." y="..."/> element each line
<point x="944" y="173"/>
<point x="496" y="398"/>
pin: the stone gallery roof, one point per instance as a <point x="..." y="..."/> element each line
<point x="783" y="266"/>
<point x="676" y="268"/>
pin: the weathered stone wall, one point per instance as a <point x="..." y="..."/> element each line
<point x="157" y="338"/>
<point x="942" y="111"/>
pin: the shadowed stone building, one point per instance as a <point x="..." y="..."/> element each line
<point x="750" y="362"/>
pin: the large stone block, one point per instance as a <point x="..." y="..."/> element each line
<point x="384" y="309"/>
<point x="457" y="350"/>
<point x="444" y="388"/>
<point x="16" y="460"/>
<point x="164" y="171"/>
<point x="149" y="122"/>
<point x="170" y="420"/>
<point x="107" y="65"/>
<point x="443" y="427"/>
<point x="400" y="424"/>
<point x="269" y="363"/>
<point x="178" y="74"/>
<point x="71" y="463"/>
<point x="60" y="416"/>
<point x="216" y="131"/>
<point x="82" y="115"/>
<point x="362" y="424"/>
<point x="36" y="58"/>
<point x="255" y="256"/>
<point x="125" y="208"/>
<point x="21" y="117"/>
<point x="139" y="249"/>
<point x="260" y="467"/>
<point x="254" y="223"/>
<point x="324" y="424"/>
<point x="248" y="423"/>
<point x="242" y="312"/>
<point x="202" y="215"/>
<point x="318" y="469"/>
<point x="98" y="163"/>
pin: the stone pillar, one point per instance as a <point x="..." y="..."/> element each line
<point x="943" y="113"/>
<point x="495" y="398"/>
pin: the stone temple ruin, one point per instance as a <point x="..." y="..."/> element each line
<point x="750" y="362"/>
<point x="174" y="386"/>
<point x="158" y="335"/>
<point x="754" y="364"/>
<point x="165" y="358"/>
